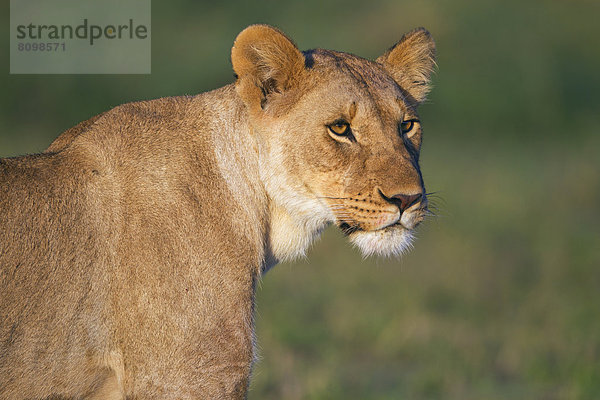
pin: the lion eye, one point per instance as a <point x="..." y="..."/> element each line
<point x="340" y="128"/>
<point x="407" y="126"/>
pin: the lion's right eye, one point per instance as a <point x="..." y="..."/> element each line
<point x="340" y="128"/>
<point x="406" y="127"/>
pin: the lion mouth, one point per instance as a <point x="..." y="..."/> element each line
<point x="348" y="229"/>
<point x="392" y="240"/>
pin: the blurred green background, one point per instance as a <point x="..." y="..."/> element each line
<point x="500" y="297"/>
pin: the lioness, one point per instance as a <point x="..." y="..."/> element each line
<point x="130" y="248"/>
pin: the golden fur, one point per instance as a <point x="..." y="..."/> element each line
<point x="130" y="248"/>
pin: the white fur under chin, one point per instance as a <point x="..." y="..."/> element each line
<point x="392" y="241"/>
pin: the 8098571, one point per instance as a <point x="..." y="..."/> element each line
<point x="42" y="46"/>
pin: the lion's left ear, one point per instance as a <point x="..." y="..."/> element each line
<point x="411" y="61"/>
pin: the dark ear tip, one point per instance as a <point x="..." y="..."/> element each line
<point x="420" y="34"/>
<point x="422" y="30"/>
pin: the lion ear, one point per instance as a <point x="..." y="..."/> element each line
<point x="411" y="61"/>
<point x="265" y="61"/>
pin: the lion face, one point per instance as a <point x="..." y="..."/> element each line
<point x="339" y="138"/>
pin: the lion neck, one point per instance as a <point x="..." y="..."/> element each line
<point x="289" y="221"/>
<point x="289" y="235"/>
<point x="295" y="217"/>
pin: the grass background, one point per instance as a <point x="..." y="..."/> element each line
<point x="501" y="296"/>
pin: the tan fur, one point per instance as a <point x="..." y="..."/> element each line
<point x="129" y="250"/>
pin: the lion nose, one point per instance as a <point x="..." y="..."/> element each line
<point x="404" y="201"/>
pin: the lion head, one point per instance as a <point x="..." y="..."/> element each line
<point x="338" y="136"/>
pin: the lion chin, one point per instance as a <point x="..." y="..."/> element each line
<point x="391" y="241"/>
